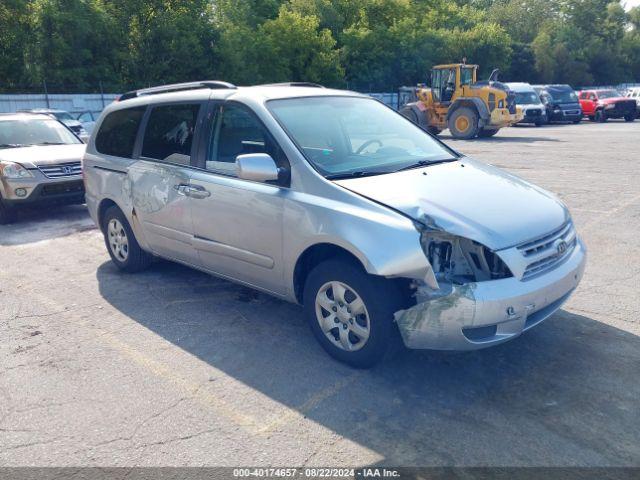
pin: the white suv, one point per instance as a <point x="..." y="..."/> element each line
<point x="332" y="200"/>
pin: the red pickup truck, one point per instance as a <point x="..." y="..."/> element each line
<point x="600" y="105"/>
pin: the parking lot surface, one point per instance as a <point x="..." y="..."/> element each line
<point x="174" y="367"/>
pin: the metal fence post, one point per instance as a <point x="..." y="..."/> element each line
<point x="102" y="94"/>
<point x="46" y="93"/>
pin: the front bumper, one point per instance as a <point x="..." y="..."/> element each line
<point x="482" y="314"/>
<point x="565" y="115"/>
<point x="42" y="190"/>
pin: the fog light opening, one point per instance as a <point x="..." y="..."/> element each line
<point x="21" y="192"/>
<point x="479" y="334"/>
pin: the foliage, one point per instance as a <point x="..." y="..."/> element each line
<point x="361" y="44"/>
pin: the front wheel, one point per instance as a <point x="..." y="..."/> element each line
<point x="600" y="117"/>
<point x="122" y="245"/>
<point x="463" y="123"/>
<point x="434" y="131"/>
<point x="629" y="118"/>
<point x="350" y="312"/>
<point x="577" y="121"/>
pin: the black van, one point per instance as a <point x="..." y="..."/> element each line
<point x="561" y="103"/>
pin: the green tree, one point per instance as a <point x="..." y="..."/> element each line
<point x="14" y="34"/>
<point x="293" y="47"/>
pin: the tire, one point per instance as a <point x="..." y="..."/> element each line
<point x="7" y="213"/>
<point x="380" y="299"/>
<point x="592" y="118"/>
<point x="487" y="133"/>
<point x="434" y="131"/>
<point x="118" y="233"/>
<point x="600" y="117"/>
<point x="577" y="121"/>
<point x="410" y="115"/>
<point x="538" y="123"/>
<point x="629" y="118"/>
<point x="463" y="123"/>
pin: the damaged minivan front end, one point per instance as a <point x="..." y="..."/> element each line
<point x="474" y="297"/>
<point x="504" y="254"/>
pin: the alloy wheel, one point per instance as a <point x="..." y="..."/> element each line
<point x="118" y="241"/>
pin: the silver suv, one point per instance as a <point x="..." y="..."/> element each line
<point x="39" y="163"/>
<point x="330" y="199"/>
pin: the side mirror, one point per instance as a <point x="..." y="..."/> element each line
<point x="257" y="167"/>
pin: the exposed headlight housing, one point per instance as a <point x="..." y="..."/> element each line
<point x="13" y="170"/>
<point x="459" y="260"/>
<point x="610" y="106"/>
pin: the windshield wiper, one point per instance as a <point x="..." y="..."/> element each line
<point x="50" y="143"/>
<point x="12" y="145"/>
<point x="424" y="163"/>
<point x="356" y="174"/>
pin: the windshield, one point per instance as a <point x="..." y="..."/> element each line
<point x="63" y="116"/>
<point x="34" y="132"/>
<point x="563" y="96"/>
<point x="352" y="135"/>
<point x="609" y="94"/>
<point x="527" y="98"/>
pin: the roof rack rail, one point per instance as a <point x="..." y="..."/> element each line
<point x="177" y="87"/>
<point x="294" y="84"/>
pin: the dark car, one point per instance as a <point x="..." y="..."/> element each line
<point x="561" y="103"/>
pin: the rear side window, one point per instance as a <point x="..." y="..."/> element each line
<point x="169" y="133"/>
<point x="117" y="134"/>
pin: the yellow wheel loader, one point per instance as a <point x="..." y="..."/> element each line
<point x="457" y="101"/>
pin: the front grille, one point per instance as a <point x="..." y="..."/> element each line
<point x="63" y="188"/>
<point x="533" y="112"/>
<point x="623" y="107"/>
<point x="572" y="112"/>
<point x="61" y="170"/>
<point x="546" y="253"/>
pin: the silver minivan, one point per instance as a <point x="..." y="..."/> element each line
<point x="332" y="200"/>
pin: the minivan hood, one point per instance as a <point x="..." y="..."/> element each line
<point x="469" y="199"/>
<point x="39" y="155"/>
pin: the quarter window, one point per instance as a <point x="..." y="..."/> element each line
<point x="169" y="133"/>
<point x="117" y="135"/>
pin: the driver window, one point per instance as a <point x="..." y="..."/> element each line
<point x="592" y="97"/>
<point x="238" y="132"/>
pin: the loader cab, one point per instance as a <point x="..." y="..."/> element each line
<point x="446" y="81"/>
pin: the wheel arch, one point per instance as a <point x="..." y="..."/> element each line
<point x="313" y="256"/>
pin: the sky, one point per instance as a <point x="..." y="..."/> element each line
<point x="630" y="3"/>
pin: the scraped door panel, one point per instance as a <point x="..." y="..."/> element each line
<point x="164" y="211"/>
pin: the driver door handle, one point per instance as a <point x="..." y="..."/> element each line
<point x="193" y="191"/>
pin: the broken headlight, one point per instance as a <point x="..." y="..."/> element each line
<point x="459" y="260"/>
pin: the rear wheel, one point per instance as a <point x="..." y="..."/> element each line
<point x="600" y="117"/>
<point x="487" y="133"/>
<point x="577" y="121"/>
<point x="7" y="213"/>
<point x="630" y="117"/>
<point x="434" y="131"/>
<point x="121" y="243"/>
<point x="350" y="312"/>
<point x="463" y="123"/>
<point x="409" y="114"/>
